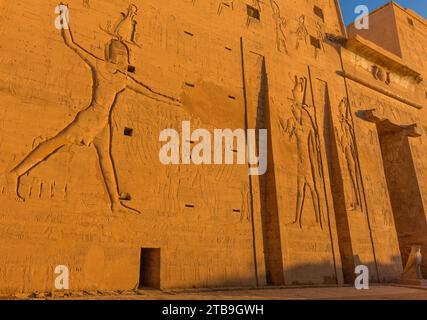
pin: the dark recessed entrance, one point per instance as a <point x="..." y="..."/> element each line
<point x="149" y="276"/>
<point x="403" y="186"/>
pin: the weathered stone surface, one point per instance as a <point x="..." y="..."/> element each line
<point x="82" y="109"/>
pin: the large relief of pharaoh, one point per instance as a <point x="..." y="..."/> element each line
<point x="347" y="145"/>
<point x="302" y="127"/>
<point x="111" y="76"/>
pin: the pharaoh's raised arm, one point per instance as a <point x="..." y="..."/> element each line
<point x="64" y="24"/>
<point x="67" y="35"/>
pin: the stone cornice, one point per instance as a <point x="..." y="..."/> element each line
<point x="380" y="89"/>
<point x="380" y="56"/>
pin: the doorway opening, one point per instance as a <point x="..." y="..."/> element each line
<point x="149" y="276"/>
<point x="403" y="186"/>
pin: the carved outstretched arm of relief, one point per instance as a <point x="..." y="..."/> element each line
<point x="141" y="88"/>
<point x="67" y="35"/>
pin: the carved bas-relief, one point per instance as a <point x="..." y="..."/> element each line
<point x="381" y="75"/>
<point x="225" y="4"/>
<point x="302" y="125"/>
<point x="321" y="37"/>
<point x="281" y="25"/>
<point x="347" y="144"/>
<point x="92" y="125"/>
<point x="125" y="28"/>
<point x="301" y="32"/>
<point x="412" y="274"/>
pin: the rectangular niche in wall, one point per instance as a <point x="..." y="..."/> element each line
<point x="150" y="268"/>
<point x="253" y="12"/>
<point x="319" y="12"/>
<point x="128" y="132"/>
<point x="403" y="186"/>
<point x="315" y="42"/>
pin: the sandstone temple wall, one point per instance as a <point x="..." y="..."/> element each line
<point x="328" y="202"/>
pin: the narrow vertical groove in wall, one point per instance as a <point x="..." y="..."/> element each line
<point x="272" y="245"/>
<point x="343" y="227"/>
<point x="261" y="123"/>
<point x="324" y="184"/>
<point x="245" y="98"/>
<point x="365" y="203"/>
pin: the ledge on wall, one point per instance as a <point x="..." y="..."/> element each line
<point x="375" y="53"/>
<point x="379" y="89"/>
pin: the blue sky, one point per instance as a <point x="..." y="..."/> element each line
<point x="348" y="6"/>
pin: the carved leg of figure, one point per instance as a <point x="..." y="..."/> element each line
<point x="300" y="201"/>
<point x="351" y="164"/>
<point x="316" y="205"/>
<point x="282" y="44"/>
<point x="358" y="177"/>
<point x="285" y="46"/>
<point x="42" y="152"/>
<point x="102" y="144"/>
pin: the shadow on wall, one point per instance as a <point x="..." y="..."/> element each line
<point x="273" y="254"/>
<point x="118" y="267"/>
<point x="303" y="273"/>
<point x="402" y="181"/>
<point x="298" y="275"/>
<point x="404" y="190"/>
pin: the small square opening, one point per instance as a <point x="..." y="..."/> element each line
<point x="411" y="22"/>
<point x="315" y="42"/>
<point x="128" y="132"/>
<point x="319" y="12"/>
<point x="131" y="69"/>
<point x="126" y="197"/>
<point x="253" y="12"/>
<point x="149" y="276"/>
